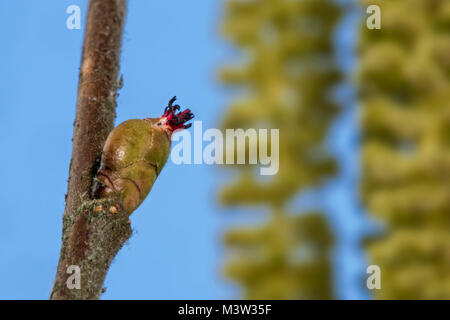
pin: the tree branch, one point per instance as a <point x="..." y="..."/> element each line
<point x="93" y="230"/>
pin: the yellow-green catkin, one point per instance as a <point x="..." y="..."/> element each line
<point x="285" y="77"/>
<point x="404" y="85"/>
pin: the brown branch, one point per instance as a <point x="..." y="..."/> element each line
<point x="93" y="230"/>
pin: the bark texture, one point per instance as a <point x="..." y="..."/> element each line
<point x="93" y="230"/>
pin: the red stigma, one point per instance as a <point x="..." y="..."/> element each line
<point x="177" y="120"/>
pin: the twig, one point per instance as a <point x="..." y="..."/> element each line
<point x="92" y="233"/>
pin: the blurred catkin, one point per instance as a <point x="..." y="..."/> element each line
<point x="404" y="88"/>
<point x="284" y="77"/>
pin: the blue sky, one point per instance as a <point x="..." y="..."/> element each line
<point x="169" y="48"/>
